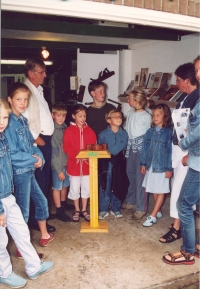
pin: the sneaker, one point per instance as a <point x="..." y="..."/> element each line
<point x="44" y="268"/>
<point x="150" y="221"/>
<point x="45" y="242"/>
<point x="126" y="206"/>
<point x="102" y="215"/>
<point x="138" y="215"/>
<point x="19" y="256"/>
<point x="159" y="215"/>
<point x="116" y="214"/>
<point x="13" y="281"/>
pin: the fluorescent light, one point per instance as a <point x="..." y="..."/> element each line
<point x="18" y="62"/>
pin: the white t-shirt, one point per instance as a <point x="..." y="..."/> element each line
<point x="137" y="123"/>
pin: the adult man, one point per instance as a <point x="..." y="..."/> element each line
<point x="40" y="124"/>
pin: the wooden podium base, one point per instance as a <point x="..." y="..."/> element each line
<point x="86" y="228"/>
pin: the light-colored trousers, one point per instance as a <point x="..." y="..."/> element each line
<point x="19" y="231"/>
<point x="180" y="172"/>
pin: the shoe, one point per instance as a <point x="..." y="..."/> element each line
<point x="85" y="215"/>
<point x="186" y="258"/>
<point x="171" y="236"/>
<point x="63" y="218"/>
<point x="13" y="281"/>
<point x="50" y="229"/>
<point x="44" y="268"/>
<point x="19" y="256"/>
<point x="116" y="214"/>
<point x="138" y="215"/>
<point x="126" y="206"/>
<point x="45" y="242"/>
<point x="150" y="221"/>
<point x="60" y="215"/>
<point x="159" y="215"/>
<point x="103" y="215"/>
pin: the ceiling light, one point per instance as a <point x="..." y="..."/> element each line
<point x="18" y="62"/>
<point x="45" y="53"/>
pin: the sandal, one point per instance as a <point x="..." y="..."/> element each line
<point x="86" y="216"/>
<point x="171" y="236"/>
<point x="76" y="217"/>
<point x="174" y="258"/>
<point x="197" y="253"/>
<point x="171" y="226"/>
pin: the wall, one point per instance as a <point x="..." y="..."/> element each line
<point x="164" y="56"/>
<point x="184" y="7"/>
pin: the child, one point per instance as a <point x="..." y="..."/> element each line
<point x="98" y="109"/>
<point x="59" y="162"/>
<point x="156" y="159"/>
<point x="11" y="217"/>
<point x="116" y="139"/>
<point x="25" y="159"/>
<point x="138" y="122"/>
<point x="76" y="137"/>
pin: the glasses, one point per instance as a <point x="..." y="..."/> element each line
<point x="41" y="72"/>
<point x="116" y="117"/>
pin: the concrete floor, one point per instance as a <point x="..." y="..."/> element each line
<point x="129" y="256"/>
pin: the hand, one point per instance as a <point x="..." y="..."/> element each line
<point x="39" y="141"/>
<point x="2" y="220"/>
<point x="143" y="170"/>
<point x="185" y="160"/>
<point x="61" y="176"/>
<point x="168" y="174"/>
<point x="39" y="162"/>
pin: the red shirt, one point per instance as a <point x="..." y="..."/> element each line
<point x="74" y="140"/>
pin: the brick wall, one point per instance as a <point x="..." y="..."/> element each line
<point x="184" y="7"/>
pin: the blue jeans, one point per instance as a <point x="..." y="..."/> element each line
<point x="189" y="195"/>
<point x="43" y="176"/>
<point x="26" y="188"/>
<point x="107" y="198"/>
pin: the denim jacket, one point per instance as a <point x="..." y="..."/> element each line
<point x="157" y="150"/>
<point x="192" y="141"/>
<point x="21" y="145"/>
<point x="6" y="184"/>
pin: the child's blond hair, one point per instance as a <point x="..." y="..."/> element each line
<point x="108" y="115"/>
<point x="4" y="103"/>
<point x="140" y="96"/>
<point x="59" y="107"/>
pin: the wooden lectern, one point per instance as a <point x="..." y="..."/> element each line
<point x="94" y="226"/>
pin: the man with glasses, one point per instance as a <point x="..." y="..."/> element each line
<point x="41" y="126"/>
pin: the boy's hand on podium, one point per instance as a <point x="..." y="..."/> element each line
<point x="39" y="141"/>
<point x="2" y="220"/>
<point x="61" y="176"/>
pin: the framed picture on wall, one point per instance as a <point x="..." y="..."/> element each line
<point x="143" y="76"/>
<point x="137" y="79"/>
<point x="157" y="79"/>
<point x="150" y="80"/>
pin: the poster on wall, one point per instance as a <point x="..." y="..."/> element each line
<point x="137" y="78"/>
<point x="143" y="76"/>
